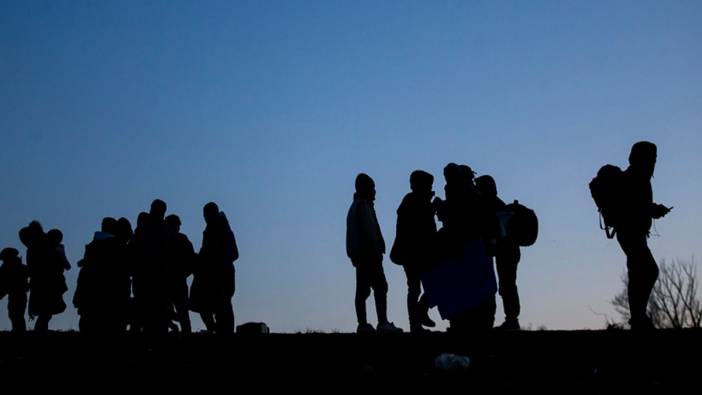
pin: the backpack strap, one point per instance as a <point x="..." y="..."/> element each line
<point x="609" y="230"/>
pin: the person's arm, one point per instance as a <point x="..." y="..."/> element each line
<point x="659" y="210"/>
<point x="368" y="228"/>
<point x="232" y="247"/>
<point x="64" y="259"/>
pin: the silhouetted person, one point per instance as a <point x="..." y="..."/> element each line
<point x="123" y="231"/>
<point x="633" y="229"/>
<point x="214" y="282"/>
<point x="463" y="213"/>
<point x="413" y="247"/>
<point x="365" y="246"/>
<point x="136" y="304"/>
<point x="466" y="221"/>
<point x="507" y="256"/>
<point x="125" y="236"/>
<point x="102" y="290"/>
<point x="153" y="250"/>
<point x="179" y="270"/>
<point x="14" y="283"/>
<point x="46" y="263"/>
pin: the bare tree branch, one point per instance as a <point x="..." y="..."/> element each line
<point x="675" y="300"/>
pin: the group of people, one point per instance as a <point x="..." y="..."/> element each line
<point x="454" y="264"/>
<point x="47" y="284"/>
<point x="137" y="280"/>
<point x="471" y="230"/>
<point x="132" y="280"/>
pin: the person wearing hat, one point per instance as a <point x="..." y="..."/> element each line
<point x="14" y="283"/>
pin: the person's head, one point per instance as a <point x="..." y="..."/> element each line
<point x="173" y="222"/>
<point x="210" y="211"/>
<point x="451" y="173"/>
<point x="143" y="219"/>
<point x="466" y="174"/>
<point x="36" y="227"/>
<point x="124" y="229"/>
<point x="158" y="209"/>
<point x="25" y="236"/>
<point x="486" y="185"/>
<point x="365" y="186"/>
<point x="421" y="181"/>
<point x="109" y="225"/>
<point x="643" y="157"/>
<point x="9" y="255"/>
<point x="31" y="234"/>
<point x="54" y="237"/>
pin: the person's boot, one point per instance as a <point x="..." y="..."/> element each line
<point x="509" y="325"/>
<point x="365" y="328"/>
<point x="641" y="324"/>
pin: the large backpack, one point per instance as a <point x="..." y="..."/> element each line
<point x="523" y="227"/>
<point x="606" y="192"/>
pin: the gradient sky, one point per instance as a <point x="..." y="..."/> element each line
<point x="271" y="108"/>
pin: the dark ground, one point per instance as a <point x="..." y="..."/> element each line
<point x="568" y="361"/>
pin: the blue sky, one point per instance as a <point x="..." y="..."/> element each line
<point x="271" y="108"/>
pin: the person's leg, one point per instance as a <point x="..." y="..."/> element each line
<point x="650" y="274"/>
<point x="15" y="309"/>
<point x="423" y="312"/>
<point x="642" y="272"/>
<point x="380" y="291"/>
<point x="181" y="308"/>
<point x="223" y="309"/>
<point x="209" y="321"/>
<point x="488" y="310"/>
<point x="506" y="262"/>
<point x="413" y="292"/>
<point x="363" y="289"/>
<point x="224" y="317"/>
<point x="42" y="324"/>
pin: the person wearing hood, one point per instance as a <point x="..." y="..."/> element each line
<point x="365" y="247"/>
<point x="633" y="229"/>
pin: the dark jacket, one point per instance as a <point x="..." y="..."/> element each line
<point x="14" y="279"/>
<point x="637" y="208"/>
<point x="415" y="231"/>
<point x="363" y="235"/>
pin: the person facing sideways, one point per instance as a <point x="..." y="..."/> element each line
<point x="214" y="275"/>
<point x="507" y="256"/>
<point x="365" y="247"/>
<point x="633" y="227"/>
<point x="178" y="272"/>
<point x="14" y="283"/>
<point x="413" y="246"/>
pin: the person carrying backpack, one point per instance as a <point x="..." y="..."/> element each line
<point x="626" y="203"/>
<point x="507" y="256"/>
